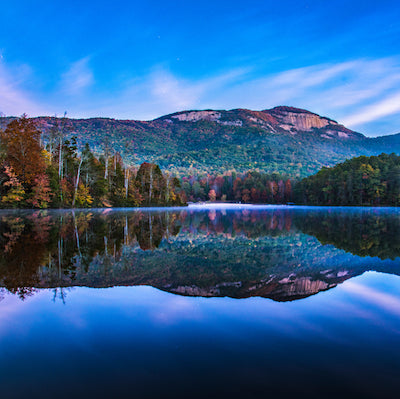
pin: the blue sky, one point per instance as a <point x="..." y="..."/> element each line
<point x="144" y="59"/>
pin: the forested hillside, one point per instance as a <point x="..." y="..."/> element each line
<point x="363" y="180"/>
<point x="282" y="140"/>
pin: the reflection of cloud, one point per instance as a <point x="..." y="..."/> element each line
<point x="174" y="309"/>
<point x="389" y="302"/>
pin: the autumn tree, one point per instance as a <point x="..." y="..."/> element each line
<point x="83" y="199"/>
<point x="16" y="192"/>
<point x="21" y="141"/>
<point x="41" y="192"/>
<point x="212" y="195"/>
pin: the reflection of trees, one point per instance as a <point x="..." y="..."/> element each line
<point x="23" y="250"/>
<point x="189" y="249"/>
<point x="60" y="293"/>
<point x="150" y="230"/>
<point x="363" y="234"/>
<point x="54" y="247"/>
<point x="251" y="224"/>
<point x="47" y="248"/>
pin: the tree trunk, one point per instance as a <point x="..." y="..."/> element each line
<point x="126" y="182"/>
<point x="151" y="184"/>
<point x="77" y="182"/>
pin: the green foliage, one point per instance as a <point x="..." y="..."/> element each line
<point x="151" y="183"/>
<point x="363" y="180"/>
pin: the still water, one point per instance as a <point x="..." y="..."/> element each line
<point x="251" y="301"/>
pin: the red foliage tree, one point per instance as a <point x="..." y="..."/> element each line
<point x="41" y="192"/>
<point x="212" y="195"/>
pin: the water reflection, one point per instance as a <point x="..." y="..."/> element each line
<point x="371" y="232"/>
<point x="277" y="252"/>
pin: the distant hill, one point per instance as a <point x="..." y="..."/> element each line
<point x="282" y="139"/>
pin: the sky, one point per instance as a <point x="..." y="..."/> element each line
<point x="144" y="59"/>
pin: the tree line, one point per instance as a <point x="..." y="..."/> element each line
<point x="251" y="187"/>
<point x="56" y="174"/>
<point x="361" y="181"/>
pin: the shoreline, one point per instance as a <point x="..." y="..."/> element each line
<point x="201" y="206"/>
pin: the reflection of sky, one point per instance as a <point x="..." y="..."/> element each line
<point x="153" y="334"/>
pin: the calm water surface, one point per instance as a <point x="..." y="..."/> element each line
<point x="256" y="301"/>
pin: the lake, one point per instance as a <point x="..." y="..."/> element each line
<point x="247" y="301"/>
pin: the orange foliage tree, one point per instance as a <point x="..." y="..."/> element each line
<point x="212" y="195"/>
<point x="21" y="141"/>
<point x="41" y="192"/>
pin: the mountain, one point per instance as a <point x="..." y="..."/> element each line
<point x="283" y="139"/>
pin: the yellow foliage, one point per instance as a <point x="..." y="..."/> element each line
<point x="83" y="197"/>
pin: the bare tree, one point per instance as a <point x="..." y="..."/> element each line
<point x="107" y="154"/>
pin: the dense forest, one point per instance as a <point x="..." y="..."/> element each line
<point x="364" y="181"/>
<point x="56" y="175"/>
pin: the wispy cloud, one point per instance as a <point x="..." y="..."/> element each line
<point x="385" y="107"/>
<point x="14" y="99"/>
<point x="359" y="93"/>
<point x="355" y="92"/>
<point x="161" y="92"/>
<point x="180" y="94"/>
<point x="77" y="78"/>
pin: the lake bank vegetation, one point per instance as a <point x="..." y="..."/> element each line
<point x="361" y="181"/>
<point x="252" y="187"/>
<point x="34" y="175"/>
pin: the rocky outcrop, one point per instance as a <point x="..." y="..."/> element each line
<point x="194" y="116"/>
<point x="278" y="119"/>
<point x="298" y="119"/>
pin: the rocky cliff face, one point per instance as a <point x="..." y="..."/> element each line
<point x="298" y="119"/>
<point x="276" y="120"/>
<point x="194" y="116"/>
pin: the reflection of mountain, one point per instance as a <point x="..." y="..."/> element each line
<point x="239" y="254"/>
<point x="285" y="289"/>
